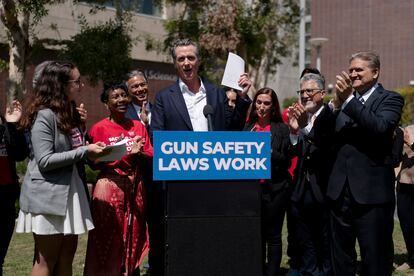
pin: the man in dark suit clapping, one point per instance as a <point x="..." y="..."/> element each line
<point x="361" y="184"/>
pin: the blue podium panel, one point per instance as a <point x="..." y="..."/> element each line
<point x="216" y="155"/>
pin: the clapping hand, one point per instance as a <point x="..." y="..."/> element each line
<point x="343" y="88"/>
<point x="138" y="143"/>
<point x="13" y="112"/>
<point x="144" y="113"/>
<point x="297" y="117"/>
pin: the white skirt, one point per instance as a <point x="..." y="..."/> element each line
<point x="77" y="220"/>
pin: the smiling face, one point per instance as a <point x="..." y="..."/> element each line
<point x="117" y="102"/>
<point x="138" y="89"/>
<point x="312" y="96"/>
<point x="264" y="106"/>
<point x="363" y="77"/>
<point x="187" y="63"/>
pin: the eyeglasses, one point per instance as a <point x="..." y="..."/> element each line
<point x="309" y="91"/>
<point x="77" y="82"/>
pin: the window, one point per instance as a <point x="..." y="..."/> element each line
<point x="139" y="6"/>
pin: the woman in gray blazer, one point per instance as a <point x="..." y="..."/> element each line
<point x="53" y="201"/>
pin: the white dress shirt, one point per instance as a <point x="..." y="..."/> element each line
<point x="195" y="103"/>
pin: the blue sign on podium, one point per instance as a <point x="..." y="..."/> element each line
<point x="187" y="155"/>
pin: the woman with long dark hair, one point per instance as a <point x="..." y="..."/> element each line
<point x="265" y="116"/>
<point x="53" y="201"/>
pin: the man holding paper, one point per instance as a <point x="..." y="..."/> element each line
<point x="180" y="106"/>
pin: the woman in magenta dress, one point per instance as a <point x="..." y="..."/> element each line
<point x="119" y="240"/>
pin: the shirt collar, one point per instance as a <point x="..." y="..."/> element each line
<point x="184" y="87"/>
<point x="310" y="115"/>
<point x="368" y="93"/>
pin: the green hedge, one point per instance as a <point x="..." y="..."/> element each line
<point x="407" y="117"/>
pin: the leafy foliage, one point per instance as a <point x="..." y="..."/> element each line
<point x="407" y="117"/>
<point x="261" y="32"/>
<point x="101" y="52"/>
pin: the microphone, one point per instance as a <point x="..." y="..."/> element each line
<point x="208" y="112"/>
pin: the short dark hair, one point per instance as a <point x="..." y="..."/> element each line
<point x="111" y="86"/>
<point x="370" y="56"/>
<point x="183" y="42"/>
<point x="309" y="70"/>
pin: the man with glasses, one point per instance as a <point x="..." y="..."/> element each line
<point x="309" y="214"/>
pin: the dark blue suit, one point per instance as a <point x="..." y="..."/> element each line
<point x="310" y="214"/>
<point x="170" y="111"/>
<point x="361" y="184"/>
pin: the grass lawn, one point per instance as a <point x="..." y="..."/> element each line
<point x="20" y="254"/>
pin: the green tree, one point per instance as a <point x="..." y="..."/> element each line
<point x="261" y="32"/>
<point x="101" y="52"/>
<point x="16" y="16"/>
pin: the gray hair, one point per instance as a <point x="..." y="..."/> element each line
<point x="183" y="42"/>
<point x="372" y="58"/>
<point x="318" y="79"/>
<point x="38" y="72"/>
<point x="137" y="72"/>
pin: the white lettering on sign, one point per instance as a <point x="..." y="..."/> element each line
<point x="185" y="164"/>
<point x="179" y="147"/>
<point x="232" y="147"/>
<point x="240" y="163"/>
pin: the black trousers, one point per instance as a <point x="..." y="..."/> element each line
<point x="156" y="227"/>
<point x="274" y="206"/>
<point x="372" y="225"/>
<point x="405" y="208"/>
<point x="8" y="196"/>
<point x="312" y="236"/>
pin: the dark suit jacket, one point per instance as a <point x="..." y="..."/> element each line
<point x="363" y="139"/>
<point x="170" y="111"/>
<point x="314" y="160"/>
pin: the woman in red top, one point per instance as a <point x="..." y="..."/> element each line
<point x="266" y="116"/>
<point x="119" y="240"/>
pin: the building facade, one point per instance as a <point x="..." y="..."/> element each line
<point x="384" y="26"/>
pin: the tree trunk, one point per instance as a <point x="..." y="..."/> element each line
<point x="16" y="22"/>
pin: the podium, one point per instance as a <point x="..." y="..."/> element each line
<point x="212" y="201"/>
<point x="212" y="228"/>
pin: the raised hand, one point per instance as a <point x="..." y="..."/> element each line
<point x="83" y="115"/>
<point x="245" y="83"/>
<point x="298" y="117"/>
<point x="144" y="113"/>
<point x="13" y="112"/>
<point x="343" y="86"/>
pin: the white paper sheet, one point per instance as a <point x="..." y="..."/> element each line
<point x="116" y="151"/>
<point x="234" y="68"/>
